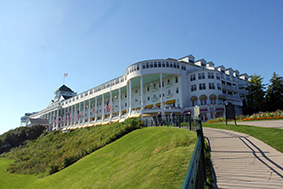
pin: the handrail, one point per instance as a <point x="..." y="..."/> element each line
<point x="195" y="176"/>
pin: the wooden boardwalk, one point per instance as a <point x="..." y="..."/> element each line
<point x="242" y="161"/>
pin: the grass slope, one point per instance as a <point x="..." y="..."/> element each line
<point x="144" y="158"/>
<point x="270" y="136"/>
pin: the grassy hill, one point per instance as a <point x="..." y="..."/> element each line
<point x="54" y="151"/>
<point x="145" y="158"/>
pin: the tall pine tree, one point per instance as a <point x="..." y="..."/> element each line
<point x="255" y="96"/>
<point x="274" y="97"/>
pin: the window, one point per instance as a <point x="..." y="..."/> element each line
<point x="176" y="79"/>
<point x="193" y="77"/>
<point x="201" y="76"/>
<point x="171" y="65"/>
<point x="125" y="95"/>
<point x="168" y="82"/>
<point x="212" y="101"/>
<point x="136" y="91"/>
<point x="162" y="83"/>
<point x="218" y="86"/>
<point x="194" y="102"/>
<point x="163" y="64"/>
<point x="203" y="102"/>
<point x="154" y="85"/>
<point x="193" y="87"/>
<point x="211" y="86"/>
<point x="143" y="66"/>
<point x="159" y="64"/>
<point x="169" y="91"/>
<point x="151" y="65"/>
<point x="155" y="64"/>
<point x="148" y="97"/>
<point x="178" y="65"/>
<point x="218" y="76"/>
<point x="138" y="67"/>
<point x="177" y="90"/>
<point x="230" y="93"/>
<point x="174" y="64"/>
<point x="202" y="86"/>
<point x="125" y="104"/>
<point x="167" y="64"/>
<point x="148" y="88"/>
<point x="147" y="65"/>
<point x="210" y="75"/>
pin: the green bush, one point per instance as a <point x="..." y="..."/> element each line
<point x="53" y="151"/>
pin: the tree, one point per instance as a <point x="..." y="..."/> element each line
<point x="256" y="95"/>
<point x="274" y="97"/>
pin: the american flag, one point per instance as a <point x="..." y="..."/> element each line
<point x="93" y="110"/>
<point x="55" y="120"/>
<point x="79" y="114"/>
<point x="65" y="74"/>
<point x="62" y="118"/>
<point x="69" y="117"/>
<point x="108" y="107"/>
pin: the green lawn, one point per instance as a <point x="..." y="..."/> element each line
<point x="270" y="136"/>
<point x="145" y="158"/>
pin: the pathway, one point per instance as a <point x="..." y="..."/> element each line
<point x="242" y="161"/>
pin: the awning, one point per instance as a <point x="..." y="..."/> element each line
<point x="212" y="96"/>
<point x="146" y="115"/>
<point x="170" y="101"/>
<point x="124" y="111"/>
<point x="203" y="110"/>
<point x="135" y="115"/>
<point x="193" y="98"/>
<point x="148" y="106"/>
<point x="219" y="109"/>
<point x="138" y="108"/>
<point x="203" y="97"/>
<point x="221" y="97"/>
<point x="158" y="104"/>
<point x="187" y="112"/>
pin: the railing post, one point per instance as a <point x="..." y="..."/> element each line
<point x="190" y="122"/>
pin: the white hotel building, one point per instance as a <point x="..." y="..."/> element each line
<point x="149" y="87"/>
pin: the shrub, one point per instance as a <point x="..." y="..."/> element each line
<point x="53" y="151"/>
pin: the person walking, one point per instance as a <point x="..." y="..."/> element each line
<point x="173" y="118"/>
<point x="159" y="118"/>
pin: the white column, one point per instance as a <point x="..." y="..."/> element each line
<point x="74" y="113"/>
<point x="88" y="111"/>
<point x="161" y="100"/>
<point x="180" y="91"/>
<point x="79" y="120"/>
<point x="57" y="125"/>
<point x="110" y="116"/>
<point x="84" y="113"/>
<point x="102" y="104"/>
<point x="119" y="103"/>
<point x="95" y="107"/>
<point x="141" y="97"/>
<point x="130" y="97"/>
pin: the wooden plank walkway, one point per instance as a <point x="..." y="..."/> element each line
<point x="242" y="161"/>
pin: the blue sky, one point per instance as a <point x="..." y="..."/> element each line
<point x="95" y="41"/>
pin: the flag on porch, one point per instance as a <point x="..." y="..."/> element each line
<point x="108" y="107"/>
<point x="62" y="118"/>
<point x="79" y="114"/>
<point x="93" y="110"/>
<point x="69" y="117"/>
